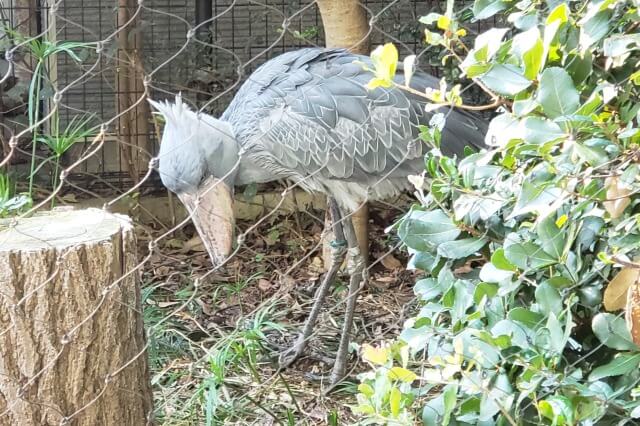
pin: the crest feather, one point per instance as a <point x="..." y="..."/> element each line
<point x="171" y="111"/>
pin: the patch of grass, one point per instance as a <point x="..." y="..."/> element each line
<point x="201" y="378"/>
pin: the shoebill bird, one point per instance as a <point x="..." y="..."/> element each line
<point x="306" y="117"/>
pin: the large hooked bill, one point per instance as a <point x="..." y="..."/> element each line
<point x="211" y="210"/>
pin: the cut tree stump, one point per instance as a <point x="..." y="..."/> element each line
<point x="72" y="342"/>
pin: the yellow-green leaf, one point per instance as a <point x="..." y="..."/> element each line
<point x="375" y="355"/>
<point x="443" y="22"/>
<point x="533" y="60"/>
<point x="385" y="61"/>
<point x="402" y="374"/>
<point x="366" y="389"/>
<point x="559" y="13"/>
<point x="395" y="396"/>
<point x="561" y="220"/>
<point x="432" y="38"/>
<point x="378" y="82"/>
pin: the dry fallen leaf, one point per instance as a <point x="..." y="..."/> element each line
<point x="317" y="265"/>
<point x="618" y="196"/>
<point x="390" y="262"/>
<point x="69" y="198"/>
<point x="386" y="279"/>
<point x="193" y="244"/>
<point x="264" y="285"/>
<point x="615" y="295"/>
<point x="174" y="243"/>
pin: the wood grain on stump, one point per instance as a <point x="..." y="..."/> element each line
<point x="72" y="343"/>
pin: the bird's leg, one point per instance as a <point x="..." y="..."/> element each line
<point x="338" y="251"/>
<point x="357" y="277"/>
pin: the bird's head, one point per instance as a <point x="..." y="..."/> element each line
<point x="198" y="160"/>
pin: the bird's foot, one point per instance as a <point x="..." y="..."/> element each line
<point x="337" y="374"/>
<point x="288" y="356"/>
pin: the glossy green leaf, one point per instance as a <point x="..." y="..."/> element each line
<point x="499" y="397"/>
<point x="548" y="298"/>
<point x="622" y="364"/>
<point x="619" y="44"/>
<point x="459" y="249"/>
<point x="499" y="260"/>
<point x="591" y="105"/>
<point x="558" y="409"/>
<point x="594" y="29"/>
<point x="506" y="79"/>
<point x="502" y="129"/>
<point x="557" y="341"/>
<point x="528" y="256"/>
<point x="612" y="331"/>
<point x="533" y="60"/>
<point x="491" y="274"/>
<point x="538" y="130"/>
<point x="450" y="397"/>
<point x="483" y="9"/>
<point x="491" y="40"/>
<point x="529" y="318"/>
<point x="595" y="156"/>
<point x="433" y="411"/>
<point x="424" y="231"/>
<point x="552" y="238"/>
<point x="535" y="198"/>
<point x="427" y="289"/>
<point x="522" y="107"/>
<point x="557" y="94"/>
<point x="579" y="65"/>
<point x="484" y="290"/>
<point x="422" y="260"/>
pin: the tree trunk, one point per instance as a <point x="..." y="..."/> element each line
<point x="133" y="121"/>
<point x="72" y="343"/>
<point x="25" y="23"/>
<point x="346" y="25"/>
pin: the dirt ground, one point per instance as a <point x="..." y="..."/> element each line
<point x="215" y="342"/>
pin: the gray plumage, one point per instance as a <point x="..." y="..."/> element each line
<point x="307" y="116"/>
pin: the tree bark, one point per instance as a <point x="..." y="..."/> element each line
<point x="346" y="25"/>
<point x="133" y="122"/>
<point x="25" y="23"/>
<point x="72" y="343"/>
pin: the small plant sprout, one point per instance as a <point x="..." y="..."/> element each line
<point x="78" y="129"/>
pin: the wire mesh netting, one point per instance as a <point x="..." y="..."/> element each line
<point x="81" y="72"/>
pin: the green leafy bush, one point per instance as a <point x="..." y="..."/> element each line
<point x="519" y="244"/>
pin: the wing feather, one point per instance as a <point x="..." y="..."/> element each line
<point x="310" y="112"/>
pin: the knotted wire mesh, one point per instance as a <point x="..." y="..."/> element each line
<point x="124" y="53"/>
